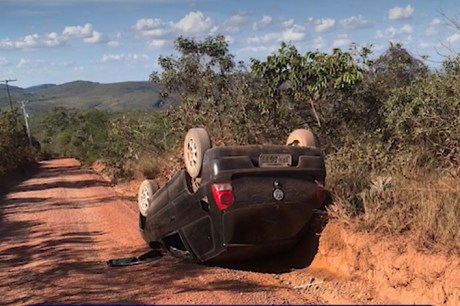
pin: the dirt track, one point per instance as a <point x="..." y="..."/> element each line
<point x="60" y="226"/>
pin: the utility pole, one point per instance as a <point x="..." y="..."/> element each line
<point x="26" y="119"/>
<point x="8" y="91"/>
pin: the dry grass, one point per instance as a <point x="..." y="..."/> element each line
<point x="426" y="208"/>
<point x="146" y="167"/>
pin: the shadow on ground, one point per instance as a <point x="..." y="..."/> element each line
<point x="16" y="178"/>
<point x="61" y="184"/>
<point x="300" y="256"/>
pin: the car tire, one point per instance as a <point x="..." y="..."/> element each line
<point x="196" y="143"/>
<point x="301" y="138"/>
<point x="145" y="195"/>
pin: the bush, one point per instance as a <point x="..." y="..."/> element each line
<point x="427" y="114"/>
<point x="72" y="133"/>
<point x="135" y="142"/>
<point x="15" y="149"/>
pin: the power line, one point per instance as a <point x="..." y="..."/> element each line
<point x="8" y="91"/>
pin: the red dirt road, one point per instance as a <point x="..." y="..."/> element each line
<point x="59" y="227"/>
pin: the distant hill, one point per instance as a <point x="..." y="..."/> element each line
<point x="13" y="89"/>
<point x="35" y="89"/>
<point x="124" y="96"/>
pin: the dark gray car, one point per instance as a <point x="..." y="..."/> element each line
<point x="243" y="202"/>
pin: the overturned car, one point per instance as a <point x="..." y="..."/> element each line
<point x="235" y="202"/>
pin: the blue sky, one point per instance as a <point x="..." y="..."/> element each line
<point x="57" y="41"/>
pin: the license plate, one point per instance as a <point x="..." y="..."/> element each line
<point x="275" y="160"/>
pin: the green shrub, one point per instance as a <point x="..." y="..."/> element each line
<point x="427" y="114"/>
<point x="15" y="149"/>
<point x="72" y="133"/>
<point x="137" y="138"/>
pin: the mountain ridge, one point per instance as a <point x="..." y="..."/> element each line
<point x="120" y="96"/>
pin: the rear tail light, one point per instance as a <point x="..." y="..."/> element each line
<point x="223" y="195"/>
<point x="321" y="193"/>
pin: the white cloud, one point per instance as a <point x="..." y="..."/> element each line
<point x="435" y="22"/>
<point x="263" y="39"/>
<point x="356" y="22"/>
<point x="95" y="38"/>
<point x="32" y="41"/>
<point x="112" y="57"/>
<point x="138" y="57"/>
<point x="78" y="31"/>
<point x="287" y="23"/>
<point x="324" y="25"/>
<point x="6" y="44"/>
<point x="113" y="43"/>
<point x="157" y="43"/>
<point x="391" y="32"/>
<point x="195" y="23"/>
<point x="3" y="62"/>
<point x="433" y="29"/>
<point x="294" y="33"/>
<point x="151" y="28"/>
<point x="424" y="45"/>
<point x="158" y="33"/>
<point x="453" y="38"/>
<point x="230" y="39"/>
<point x="318" y="43"/>
<point x="78" y="68"/>
<point x="257" y="51"/>
<point x="23" y="62"/>
<point x="262" y="23"/>
<point x="147" y="24"/>
<point x="406" y="29"/>
<point x="86" y="32"/>
<point x="125" y="57"/>
<point x="397" y="12"/>
<point x="342" y="41"/>
<point x="408" y="40"/>
<point x="235" y="22"/>
<point x="53" y="39"/>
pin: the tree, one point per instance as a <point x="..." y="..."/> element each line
<point x="310" y="77"/>
<point x="452" y="65"/>
<point x="395" y="68"/>
<point x="199" y="78"/>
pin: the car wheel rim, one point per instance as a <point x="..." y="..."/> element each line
<point x="192" y="153"/>
<point x="145" y="199"/>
